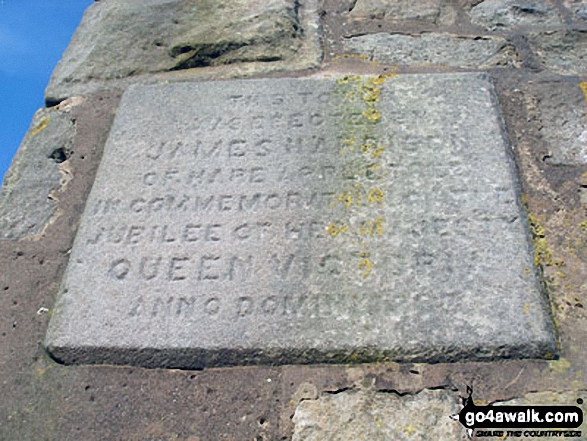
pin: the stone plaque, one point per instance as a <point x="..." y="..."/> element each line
<point x="303" y="220"/>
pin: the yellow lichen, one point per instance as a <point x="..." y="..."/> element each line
<point x="40" y="372"/>
<point x="372" y="228"/>
<point x="366" y="266"/>
<point x="378" y="151"/>
<point x="583" y="225"/>
<point x="374" y="152"/>
<point x="366" y="147"/>
<point x="380" y="79"/>
<point x="351" y="96"/>
<point x="408" y="430"/>
<point x="372" y="115"/>
<point x="346" y="198"/>
<point x="361" y="150"/>
<point x="375" y="195"/>
<point x="524" y="199"/>
<point x="559" y="366"/>
<point x="348" y="79"/>
<point x="41" y="126"/>
<point x="542" y="255"/>
<point x="370" y="94"/>
<point x="583" y="87"/>
<point x="334" y="229"/>
<point x="536" y="228"/>
<point x="347" y="56"/>
<point x="347" y="145"/>
<point x="378" y="422"/>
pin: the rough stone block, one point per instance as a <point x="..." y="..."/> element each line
<point x="429" y="11"/>
<point x="563" y="52"/>
<point x="509" y="14"/>
<point x="119" y="43"/>
<point x="303" y="220"/>
<point x="562" y="111"/>
<point x="435" y="50"/>
<point x="380" y="416"/>
<point x="578" y="7"/>
<point x="27" y="200"/>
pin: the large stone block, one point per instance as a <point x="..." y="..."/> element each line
<point x="428" y="11"/>
<point x="563" y="52"/>
<point x="562" y="111"/>
<point x="496" y="14"/>
<point x="303" y="220"/>
<point x="380" y="416"/>
<point x="27" y="196"/>
<point x="122" y="42"/>
<point x="578" y="7"/>
<point x="442" y="50"/>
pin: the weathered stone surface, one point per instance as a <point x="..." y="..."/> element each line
<point x="27" y="200"/>
<point x="563" y="52"/>
<point x="117" y="42"/>
<point x="578" y="7"/>
<point x="430" y="11"/>
<point x="380" y="416"/>
<point x="313" y="220"/>
<point x="435" y="50"/>
<point x="562" y="112"/>
<point x="495" y="14"/>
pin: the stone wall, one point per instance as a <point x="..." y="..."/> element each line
<point x="535" y="52"/>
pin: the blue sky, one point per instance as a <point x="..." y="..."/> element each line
<point x="33" y="35"/>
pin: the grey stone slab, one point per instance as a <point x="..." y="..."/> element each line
<point x="562" y="52"/>
<point x="578" y="7"/>
<point x="27" y="196"/>
<point x="511" y="14"/>
<point x="303" y="220"/>
<point x="563" y="109"/>
<point x="123" y="42"/>
<point x="428" y="11"/>
<point x="432" y="49"/>
<point x="380" y="416"/>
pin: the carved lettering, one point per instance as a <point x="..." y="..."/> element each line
<point x="212" y="306"/>
<point x="317" y="202"/>
<point x="149" y="267"/>
<point x="162" y="307"/>
<point x="185" y="307"/>
<point x="119" y="269"/>
<point x="240" y="269"/>
<point x="289" y="306"/>
<point x="244" y="306"/>
<point x="176" y="269"/>
<point x="209" y="268"/>
<point x="106" y="206"/>
<point x="249" y="203"/>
